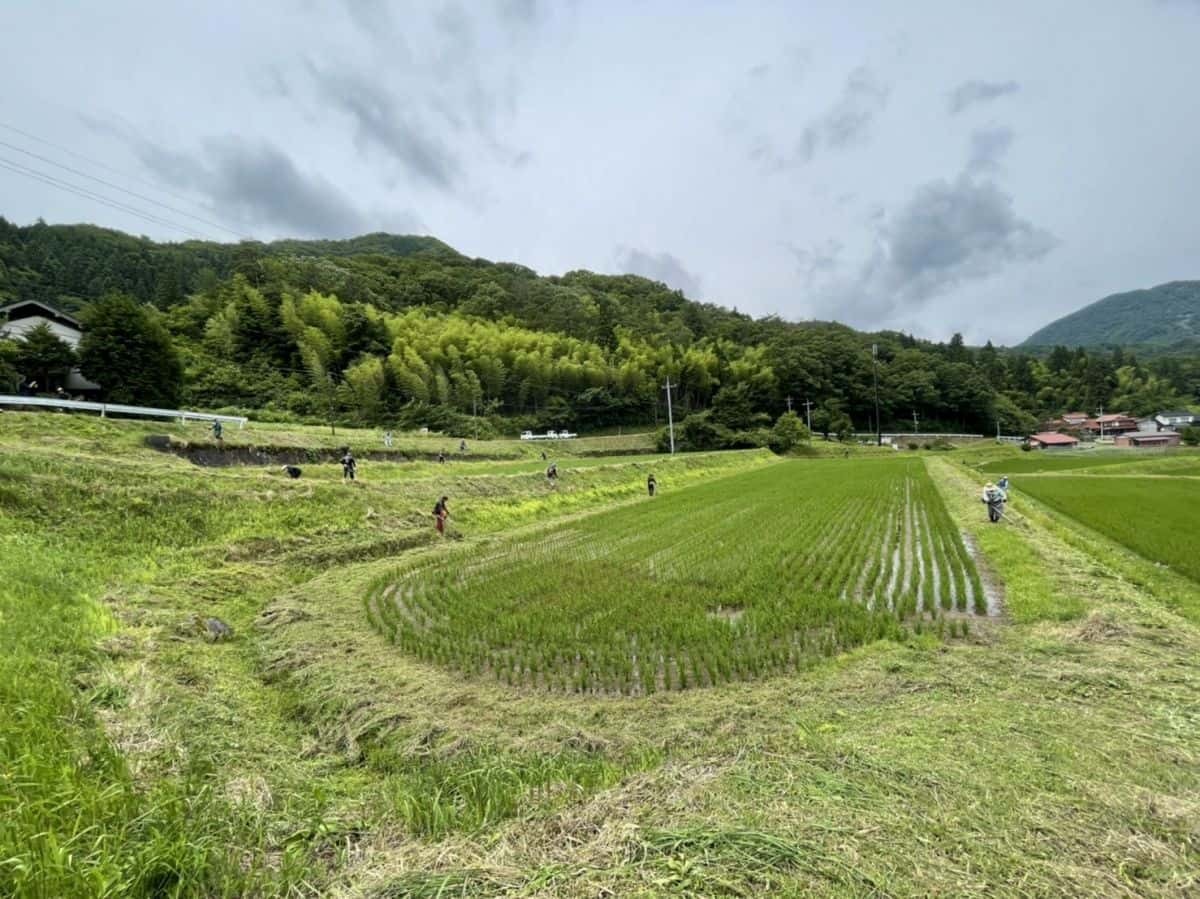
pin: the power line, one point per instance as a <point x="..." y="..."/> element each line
<point x="131" y="193"/>
<point x="97" y="163"/>
<point x="87" y="194"/>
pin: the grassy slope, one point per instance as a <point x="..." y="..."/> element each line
<point x="1057" y="754"/>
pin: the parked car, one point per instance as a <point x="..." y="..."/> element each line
<point x="552" y="435"/>
<point x="527" y="435"/>
<point x="566" y="435"/>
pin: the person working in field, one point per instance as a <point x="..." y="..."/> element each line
<point x="441" y="457"/>
<point x="462" y="446"/>
<point x="994" y="497"/>
<point x="441" y="512"/>
<point x="349" y="466"/>
<point x="552" y="474"/>
<point x="1003" y="485"/>
<point x="293" y="471"/>
<point x="218" y="432"/>
<point x="651" y="485"/>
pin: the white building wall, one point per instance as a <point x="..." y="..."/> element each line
<point x="22" y="326"/>
<point x="65" y="333"/>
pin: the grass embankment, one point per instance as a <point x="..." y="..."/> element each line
<point x="79" y="432"/>
<point x="1040" y="757"/>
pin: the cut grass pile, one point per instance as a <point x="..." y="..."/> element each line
<point x="1159" y="518"/>
<point x="755" y="574"/>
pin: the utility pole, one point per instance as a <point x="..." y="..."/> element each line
<point x="808" y="413"/>
<point x="329" y="381"/>
<point x="997" y="430"/>
<point x="789" y="402"/>
<point x="875" y="378"/>
<point x="1101" y="420"/>
<point x="474" y="415"/>
<point x="914" y="421"/>
<point x="670" y="416"/>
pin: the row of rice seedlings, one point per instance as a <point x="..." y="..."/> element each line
<point x="611" y="612"/>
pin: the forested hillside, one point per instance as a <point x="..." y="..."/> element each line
<point x="386" y="329"/>
<point x="1163" y="316"/>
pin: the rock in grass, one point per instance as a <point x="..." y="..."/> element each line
<point x="216" y="630"/>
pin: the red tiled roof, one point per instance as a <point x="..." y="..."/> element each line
<point x="1050" y="437"/>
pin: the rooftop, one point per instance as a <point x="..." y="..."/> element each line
<point x="36" y="307"/>
<point x="1053" y="437"/>
<point x="1147" y="435"/>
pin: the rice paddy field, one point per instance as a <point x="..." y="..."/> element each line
<point x="1181" y="461"/>
<point x="1159" y="518"/>
<point x="819" y="676"/>
<point x="722" y="582"/>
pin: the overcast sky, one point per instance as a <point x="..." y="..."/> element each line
<point x="928" y="166"/>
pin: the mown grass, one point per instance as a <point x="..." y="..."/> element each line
<point x="73" y="820"/>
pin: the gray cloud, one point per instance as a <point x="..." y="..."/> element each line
<point x="258" y="184"/>
<point x="989" y="146"/>
<point x="817" y="261"/>
<point x="382" y="124"/>
<point x="374" y="18"/>
<point x="847" y="122"/>
<point x="946" y="234"/>
<point x="972" y="92"/>
<point x="658" y="267"/>
<point x="519" y="12"/>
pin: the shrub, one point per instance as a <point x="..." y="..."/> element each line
<point x="788" y="433"/>
<point x="1191" y="435"/>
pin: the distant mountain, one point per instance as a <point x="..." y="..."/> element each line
<point x="1159" y="317"/>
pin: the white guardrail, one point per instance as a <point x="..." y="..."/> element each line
<point x="898" y="435"/>
<point x="117" y="409"/>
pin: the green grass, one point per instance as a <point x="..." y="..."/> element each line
<point x="1053" y="752"/>
<point x="1092" y="459"/>
<point x="1155" y="517"/>
<point x="79" y="432"/>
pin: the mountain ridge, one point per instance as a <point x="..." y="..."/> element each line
<point x="1160" y="316"/>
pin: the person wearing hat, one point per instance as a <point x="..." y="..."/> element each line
<point x="993" y="496"/>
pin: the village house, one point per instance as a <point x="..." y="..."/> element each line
<point x="1148" y="439"/>
<point x="1052" y="440"/>
<point x="1176" y="418"/>
<point x="18" y="319"/>
<point x="1110" y="425"/>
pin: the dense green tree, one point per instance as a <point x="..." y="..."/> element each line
<point x="127" y="351"/>
<point x="9" y="350"/>
<point x="788" y="433"/>
<point x="44" y="357"/>
<point x="294" y="325"/>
